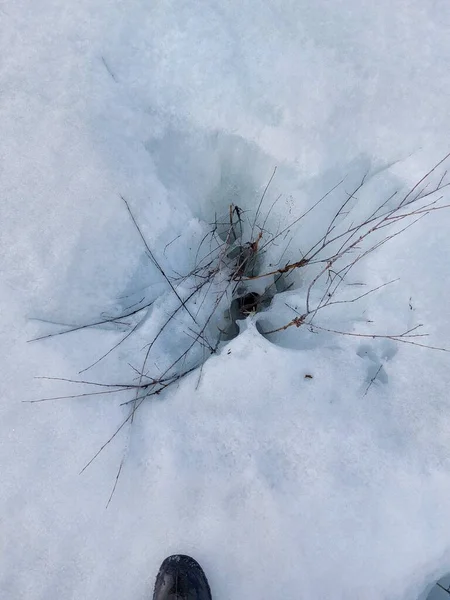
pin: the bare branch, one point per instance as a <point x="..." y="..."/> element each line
<point x="261" y="201"/>
<point x="95" y="324"/>
<point x="155" y="262"/>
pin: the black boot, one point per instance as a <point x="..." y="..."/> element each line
<point x="181" y="578"/>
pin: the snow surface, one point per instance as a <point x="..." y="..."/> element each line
<point x="281" y="486"/>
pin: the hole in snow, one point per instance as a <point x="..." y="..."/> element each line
<point x="439" y="591"/>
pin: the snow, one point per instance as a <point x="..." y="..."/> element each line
<point x="281" y="485"/>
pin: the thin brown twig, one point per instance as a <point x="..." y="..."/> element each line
<point x="261" y="201"/>
<point x="155" y="262"/>
<point x="396" y="338"/>
<point x="96" y="324"/>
